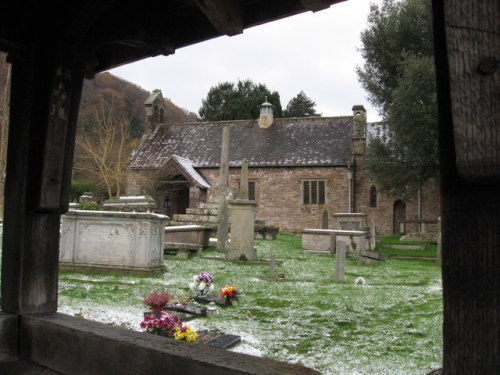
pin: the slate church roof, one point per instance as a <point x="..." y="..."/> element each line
<point x="308" y="141"/>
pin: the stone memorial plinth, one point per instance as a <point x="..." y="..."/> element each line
<point x="112" y="241"/>
<point x="242" y="230"/>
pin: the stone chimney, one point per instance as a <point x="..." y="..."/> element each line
<point x="155" y="110"/>
<point x="356" y="175"/>
<point x="358" y="130"/>
<point x="266" y="114"/>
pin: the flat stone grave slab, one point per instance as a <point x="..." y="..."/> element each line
<point x="218" y="340"/>
<point x="221" y="301"/>
<point x="188" y="309"/>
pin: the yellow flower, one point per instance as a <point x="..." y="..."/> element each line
<point x="187" y="333"/>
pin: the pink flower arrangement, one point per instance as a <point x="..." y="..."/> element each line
<point x="157" y="300"/>
<point x="168" y="325"/>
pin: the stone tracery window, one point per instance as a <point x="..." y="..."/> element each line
<point x="313" y="191"/>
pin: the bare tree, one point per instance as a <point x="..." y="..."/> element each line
<point x="103" y="150"/>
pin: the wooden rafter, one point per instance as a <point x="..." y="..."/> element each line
<point x="224" y="15"/>
<point x="317" y="5"/>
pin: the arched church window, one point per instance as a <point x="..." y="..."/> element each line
<point x="373" y="196"/>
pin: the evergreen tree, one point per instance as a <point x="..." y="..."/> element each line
<point x="300" y="106"/>
<point x="240" y="101"/>
<point x="399" y="76"/>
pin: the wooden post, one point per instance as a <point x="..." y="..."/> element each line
<point x="467" y="52"/>
<point x="340" y="263"/>
<point x="45" y="98"/>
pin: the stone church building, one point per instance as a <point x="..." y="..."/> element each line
<point x="298" y="169"/>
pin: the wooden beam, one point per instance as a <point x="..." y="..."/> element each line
<point x="466" y="39"/>
<point x="317" y="5"/>
<point x="42" y="115"/>
<point x="224" y="15"/>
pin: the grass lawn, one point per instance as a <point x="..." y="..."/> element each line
<point x="391" y="325"/>
<point x="429" y="250"/>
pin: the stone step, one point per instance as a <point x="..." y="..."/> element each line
<point x="405" y="247"/>
<point x="201" y="211"/>
<point x="209" y="205"/>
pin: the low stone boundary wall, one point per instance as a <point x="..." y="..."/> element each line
<point x="320" y="239"/>
<point x="112" y="241"/>
<point x="72" y="345"/>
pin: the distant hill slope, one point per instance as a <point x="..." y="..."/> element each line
<point x="128" y="101"/>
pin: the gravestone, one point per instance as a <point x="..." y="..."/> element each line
<point x="324" y="222"/>
<point x="340" y="262"/>
<point x="272" y="267"/>
<point x="373" y="236"/>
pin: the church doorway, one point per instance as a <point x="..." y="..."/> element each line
<point x="399" y="215"/>
<point x="176" y="201"/>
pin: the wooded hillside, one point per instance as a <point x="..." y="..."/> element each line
<point x="111" y="118"/>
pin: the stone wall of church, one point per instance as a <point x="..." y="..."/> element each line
<point x="279" y="196"/>
<point x="383" y="214"/>
<point x="139" y="181"/>
<point x="278" y="192"/>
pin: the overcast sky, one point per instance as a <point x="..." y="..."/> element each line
<point x="313" y="52"/>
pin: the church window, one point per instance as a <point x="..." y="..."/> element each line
<point x="313" y="191"/>
<point x="251" y="190"/>
<point x="373" y="196"/>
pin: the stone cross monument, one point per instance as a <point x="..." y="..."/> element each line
<point x="223" y="210"/>
<point x="242" y="222"/>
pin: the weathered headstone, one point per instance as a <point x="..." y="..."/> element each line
<point x="223" y="210"/>
<point x="373" y="235"/>
<point x="324" y="223"/>
<point x="340" y="262"/>
<point x="333" y="242"/>
<point x="272" y="267"/>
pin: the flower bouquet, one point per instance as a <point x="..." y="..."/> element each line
<point x="202" y="284"/>
<point x="168" y="325"/>
<point x="230" y="293"/>
<point x="157" y="300"/>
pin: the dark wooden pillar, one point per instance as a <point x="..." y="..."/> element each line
<point x="45" y="94"/>
<point x="467" y="48"/>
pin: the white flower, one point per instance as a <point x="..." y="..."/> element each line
<point x="359" y="281"/>
<point x="195" y="278"/>
<point x="202" y="285"/>
<point x="211" y="287"/>
<point x="192" y="286"/>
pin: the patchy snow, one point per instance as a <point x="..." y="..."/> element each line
<point x="126" y="317"/>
